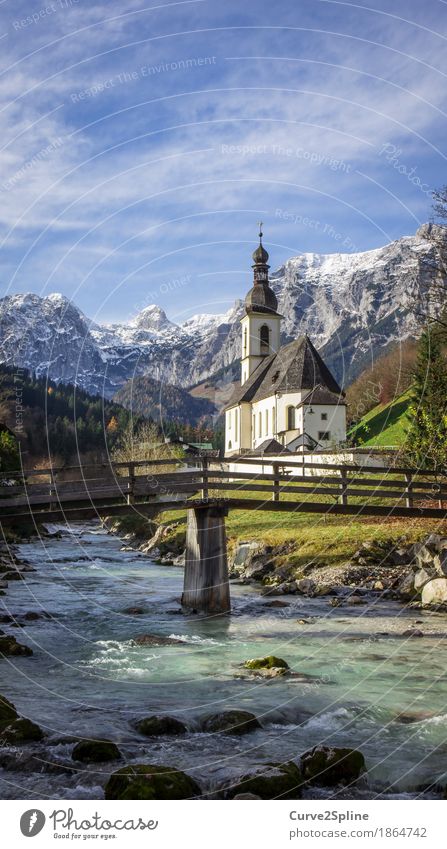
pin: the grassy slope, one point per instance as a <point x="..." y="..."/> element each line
<point x="386" y="424"/>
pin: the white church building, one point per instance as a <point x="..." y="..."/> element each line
<point x="287" y="399"/>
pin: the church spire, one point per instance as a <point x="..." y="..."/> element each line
<point x="260" y="259"/>
<point x="261" y="298"/>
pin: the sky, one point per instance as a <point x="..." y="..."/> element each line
<point x="141" y="144"/>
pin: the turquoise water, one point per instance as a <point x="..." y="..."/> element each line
<point x="86" y="678"/>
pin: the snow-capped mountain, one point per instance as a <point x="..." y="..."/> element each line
<point x="351" y="305"/>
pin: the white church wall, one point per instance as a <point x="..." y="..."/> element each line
<point x="366" y="459"/>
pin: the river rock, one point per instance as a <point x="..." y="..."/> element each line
<point x="134" y="611"/>
<point x="269" y="781"/>
<point x="9" y="647"/>
<point x="252" y="561"/>
<point x="147" y="781"/>
<point x="155" y="726"/>
<point x="95" y="751"/>
<point x="156" y="640"/>
<point x="328" y="766"/>
<point x="246" y="796"/>
<point x="7" y="712"/>
<point x="231" y="722"/>
<point x="21" y="730"/>
<point x="267" y="667"/>
<point x="435" y="592"/>
<point x="305" y="586"/>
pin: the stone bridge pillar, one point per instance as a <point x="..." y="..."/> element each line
<point x="206" y="588"/>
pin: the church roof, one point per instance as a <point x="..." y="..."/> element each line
<point x="295" y="367"/>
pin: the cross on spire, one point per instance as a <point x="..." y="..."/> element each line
<point x="260" y="223"/>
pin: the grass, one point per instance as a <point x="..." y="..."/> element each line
<point x="317" y="539"/>
<point x="385" y="424"/>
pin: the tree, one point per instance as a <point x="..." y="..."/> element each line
<point x="143" y="442"/>
<point x="426" y="441"/>
<point x="9" y="453"/>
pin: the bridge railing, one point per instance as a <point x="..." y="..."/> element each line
<point x="251" y="484"/>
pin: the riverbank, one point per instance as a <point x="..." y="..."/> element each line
<point x="112" y="651"/>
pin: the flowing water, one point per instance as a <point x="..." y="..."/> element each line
<point x="360" y="683"/>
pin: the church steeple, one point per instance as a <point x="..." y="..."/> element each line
<point x="261" y="322"/>
<point x="261" y="298"/>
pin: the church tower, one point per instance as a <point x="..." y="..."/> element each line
<point x="261" y="324"/>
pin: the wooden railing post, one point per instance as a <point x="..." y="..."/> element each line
<point x="131" y="484"/>
<point x="205" y="488"/>
<point x="409" y="490"/>
<point x="276" y="482"/>
<point x="344" y="488"/>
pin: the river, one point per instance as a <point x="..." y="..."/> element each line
<point x="87" y="679"/>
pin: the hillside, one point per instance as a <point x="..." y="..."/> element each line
<point x="163" y="402"/>
<point x="385" y="425"/>
<point x="57" y="420"/>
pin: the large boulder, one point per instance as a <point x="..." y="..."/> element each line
<point x="231" y="722"/>
<point x="269" y="781"/>
<point x="21" y="730"/>
<point x="328" y="766"/>
<point x="155" y="726"/>
<point x="95" y="751"/>
<point x="269" y="662"/>
<point x="251" y="561"/>
<point x="9" y="647"/>
<point x="145" y="781"/>
<point x="434" y="592"/>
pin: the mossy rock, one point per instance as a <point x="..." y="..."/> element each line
<point x="9" y="647"/>
<point x="7" y="712"/>
<point x="328" y="766"/>
<point x="231" y="722"/>
<point x="154" y="726"/>
<point x="95" y="751"/>
<point x="270" y="662"/>
<point x="270" y="781"/>
<point x="21" y="731"/>
<point x="145" y="781"/>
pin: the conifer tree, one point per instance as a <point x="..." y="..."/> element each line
<point x="426" y="442"/>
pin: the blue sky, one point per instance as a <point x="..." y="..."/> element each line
<point x="140" y="144"/>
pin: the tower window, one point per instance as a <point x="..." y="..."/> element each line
<point x="264" y="335"/>
<point x="290" y="418"/>
<point x="324" y="417"/>
<point x="324" y="435"/>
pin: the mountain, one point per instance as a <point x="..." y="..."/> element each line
<point x="163" y="402"/>
<point x="353" y="306"/>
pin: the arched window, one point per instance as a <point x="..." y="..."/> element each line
<point x="264" y="336"/>
<point x="230" y="445"/>
<point x="245" y="341"/>
<point x="290" y="418"/>
<point x="254" y="426"/>
<point x="236" y="423"/>
<point x="273" y="421"/>
<point x="266" y="422"/>
<point x="260" y="424"/>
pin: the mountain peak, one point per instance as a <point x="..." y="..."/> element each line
<point x="152" y="318"/>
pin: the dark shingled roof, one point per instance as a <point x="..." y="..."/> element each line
<point x="296" y="367"/>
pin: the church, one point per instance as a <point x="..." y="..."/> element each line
<point x="287" y="399"/>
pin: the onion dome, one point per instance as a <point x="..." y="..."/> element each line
<point x="261" y="298"/>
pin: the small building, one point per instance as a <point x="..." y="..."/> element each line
<point x="287" y="393"/>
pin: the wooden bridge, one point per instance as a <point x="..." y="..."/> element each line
<point x="207" y="489"/>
